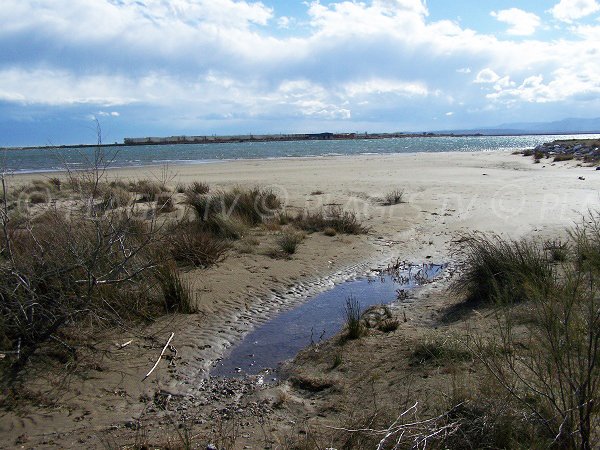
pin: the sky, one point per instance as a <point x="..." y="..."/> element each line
<point x="204" y="67"/>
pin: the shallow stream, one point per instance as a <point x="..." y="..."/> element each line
<point x="318" y="318"/>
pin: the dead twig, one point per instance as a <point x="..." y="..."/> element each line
<point x="160" y="356"/>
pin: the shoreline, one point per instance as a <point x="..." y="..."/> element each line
<point x="205" y="140"/>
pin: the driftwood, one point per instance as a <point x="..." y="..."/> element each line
<point x="160" y="356"/>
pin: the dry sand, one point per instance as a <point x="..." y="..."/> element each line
<point x="447" y="194"/>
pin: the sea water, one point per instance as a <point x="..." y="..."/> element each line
<point x="54" y="159"/>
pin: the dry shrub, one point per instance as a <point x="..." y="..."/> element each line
<point x="394" y="197"/>
<point x="61" y="270"/>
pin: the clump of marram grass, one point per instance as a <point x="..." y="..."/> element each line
<point x="557" y="250"/>
<point x="177" y="293"/>
<point x="354" y="326"/>
<point x="288" y="242"/>
<point x="493" y="264"/>
<point x="388" y="325"/>
<point x="115" y="197"/>
<point x="440" y="350"/>
<point x="334" y="217"/>
<point x="165" y="203"/>
<point x="329" y="231"/>
<point x="190" y="245"/>
<point x="251" y="206"/>
<point x="549" y="364"/>
<point x="147" y="190"/>
<point x="36" y="198"/>
<point x="563" y="157"/>
<point x="394" y="197"/>
<point x="199" y="188"/>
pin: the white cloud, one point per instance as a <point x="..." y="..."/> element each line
<point x="222" y="59"/>
<point x="521" y="23"/>
<point x="381" y="86"/>
<point x="486" y="75"/>
<point x="284" y="22"/>
<point x="570" y="10"/>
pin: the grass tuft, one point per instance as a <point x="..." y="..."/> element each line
<point x="494" y="264"/>
<point x="354" y="327"/>
<point x="335" y="218"/>
<point x="289" y="241"/>
<point x="394" y="197"/>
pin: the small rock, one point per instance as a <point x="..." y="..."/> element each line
<point x="582" y="178"/>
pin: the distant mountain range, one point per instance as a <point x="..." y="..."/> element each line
<point x="571" y="125"/>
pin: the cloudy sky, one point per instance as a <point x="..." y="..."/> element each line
<point x="170" y="67"/>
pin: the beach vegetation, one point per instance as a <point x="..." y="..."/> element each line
<point x="394" y="197"/>
<point x="115" y="197"/>
<point x="354" y="328"/>
<point x="563" y="157"/>
<point x="176" y="292"/>
<point x="549" y="362"/>
<point x="288" y="241"/>
<point x="198" y="188"/>
<point x="165" y="203"/>
<point x="191" y="245"/>
<point x="147" y="190"/>
<point x="252" y="206"/>
<point x="334" y="217"/>
<point x="494" y="263"/>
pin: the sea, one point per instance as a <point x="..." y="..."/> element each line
<point x="73" y="158"/>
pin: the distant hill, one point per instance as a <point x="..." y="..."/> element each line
<point x="565" y="126"/>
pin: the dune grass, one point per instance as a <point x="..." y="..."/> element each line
<point x="331" y="218"/>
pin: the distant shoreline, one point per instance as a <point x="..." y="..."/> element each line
<point x="186" y="140"/>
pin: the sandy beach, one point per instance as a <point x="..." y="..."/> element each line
<point x="446" y="196"/>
